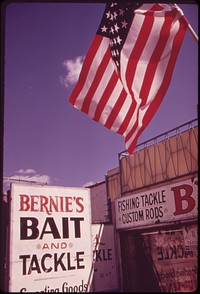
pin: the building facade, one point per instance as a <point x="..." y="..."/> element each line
<point x="153" y="195"/>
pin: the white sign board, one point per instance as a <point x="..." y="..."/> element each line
<point x="50" y="239"/>
<point x="167" y="203"/>
<point x="105" y="266"/>
<point x="176" y="268"/>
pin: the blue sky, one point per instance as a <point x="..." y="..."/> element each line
<point x="45" y="138"/>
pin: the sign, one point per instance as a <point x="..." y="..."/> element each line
<point x="105" y="267"/>
<point x="190" y="238"/>
<point x="176" y="267"/>
<point x="50" y="239"/>
<point x="167" y="203"/>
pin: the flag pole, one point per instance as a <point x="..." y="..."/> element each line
<point x="192" y="32"/>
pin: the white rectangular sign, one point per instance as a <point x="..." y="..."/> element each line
<point x="105" y="266"/>
<point x="167" y="203"/>
<point x="50" y="239"/>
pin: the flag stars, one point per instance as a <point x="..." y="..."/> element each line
<point x="124" y="24"/>
<point x="104" y="29"/>
<point x="113" y="53"/>
<point x="119" y="40"/>
<point x="113" y="4"/>
<point x="121" y="11"/>
<point x="114" y="41"/>
<point x="112" y="30"/>
<point x="116" y="27"/>
<point x="111" y="17"/>
<point x="108" y="14"/>
<point x="117" y="63"/>
<point x="115" y="15"/>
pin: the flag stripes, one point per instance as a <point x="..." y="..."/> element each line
<point x="160" y="82"/>
<point x="125" y="99"/>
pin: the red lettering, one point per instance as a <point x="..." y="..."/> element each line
<point x="24" y="202"/>
<point x="34" y="202"/>
<point x="81" y="207"/>
<point x="48" y="204"/>
<point x="68" y="204"/>
<point x="43" y="203"/>
<point x="53" y="205"/>
<point x="185" y="197"/>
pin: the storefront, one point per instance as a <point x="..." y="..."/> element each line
<point x="160" y="261"/>
<point x="154" y="193"/>
<point x="158" y="238"/>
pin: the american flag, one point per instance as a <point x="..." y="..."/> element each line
<point x="128" y="67"/>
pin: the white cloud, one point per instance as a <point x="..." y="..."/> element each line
<point x="27" y="176"/>
<point x="26" y="171"/>
<point x="73" y="67"/>
<point x="88" y="184"/>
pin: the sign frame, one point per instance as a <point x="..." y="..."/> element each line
<point x="50" y="239"/>
<point x="162" y="204"/>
